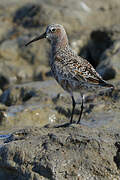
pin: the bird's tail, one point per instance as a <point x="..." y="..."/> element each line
<point x="107" y="85"/>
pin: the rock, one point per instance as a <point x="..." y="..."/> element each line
<point x="15" y="95"/>
<point x="95" y="44"/>
<point x="14" y="72"/>
<point x="60" y="153"/>
<point x="9" y="50"/>
<point x="41" y="13"/>
<point x="109" y="66"/>
<point x="36" y="54"/>
<point x="42" y="73"/>
<point x="37" y="102"/>
<point x="4" y="28"/>
<point x="27" y="15"/>
<point x="28" y="116"/>
<point x="101" y="49"/>
<point x="17" y="63"/>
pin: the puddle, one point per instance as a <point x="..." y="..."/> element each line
<point x="5" y="136"/>
<point x="100" y="119"/>
<point x="12" y="110"/>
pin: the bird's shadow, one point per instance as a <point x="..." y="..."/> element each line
<point x="66" y="113"/>
<point x="63" y="125"/>
<point x="61" y="110"/>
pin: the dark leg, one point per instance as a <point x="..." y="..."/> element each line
<point x="73" y="108"/>
<point x="80" y="112"/>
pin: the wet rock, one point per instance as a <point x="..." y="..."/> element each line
<point x="20" y="116"/>
<point x="34" y="102"/>
<point x="60" y="153"/>
<point x="42" y="73"/>
<point x="43" y="102"/>
<point x="16" y="95"/>
<point x="13" y="73"/>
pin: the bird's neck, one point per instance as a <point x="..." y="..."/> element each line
<point x="59" y="44"/>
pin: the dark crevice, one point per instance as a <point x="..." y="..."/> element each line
<point x="117" y="157"/>
<point x="98" y="42"/>
<point x="4" y="82"/>
<point x="27" y="16"/>
<point x="26" y="95"/>
<point x="44" y="171"/>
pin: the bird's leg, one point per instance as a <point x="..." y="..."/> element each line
<point x="73" y="108"/>
<point x="80" y="111"/>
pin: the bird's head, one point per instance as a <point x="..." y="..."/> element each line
<point x="55" y="33"/>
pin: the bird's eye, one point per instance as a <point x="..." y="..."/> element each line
<point x="53" y="30"/>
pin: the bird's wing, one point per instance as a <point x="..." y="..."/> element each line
<point x="66" y="70"/>
<point x="80" y="69"/>
<point x="85" y="69"/>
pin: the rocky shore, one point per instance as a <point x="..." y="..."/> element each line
<point x="36" y="141"/>
<point x="75" y="152"/>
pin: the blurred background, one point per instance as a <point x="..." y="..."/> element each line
<point x="28" y="93"/>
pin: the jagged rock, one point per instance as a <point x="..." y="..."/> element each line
<point x="74" y="152"/>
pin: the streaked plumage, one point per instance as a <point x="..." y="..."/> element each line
<point x="72" y="72"/>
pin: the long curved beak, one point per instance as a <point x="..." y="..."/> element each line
<point x="36" y="39"/>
